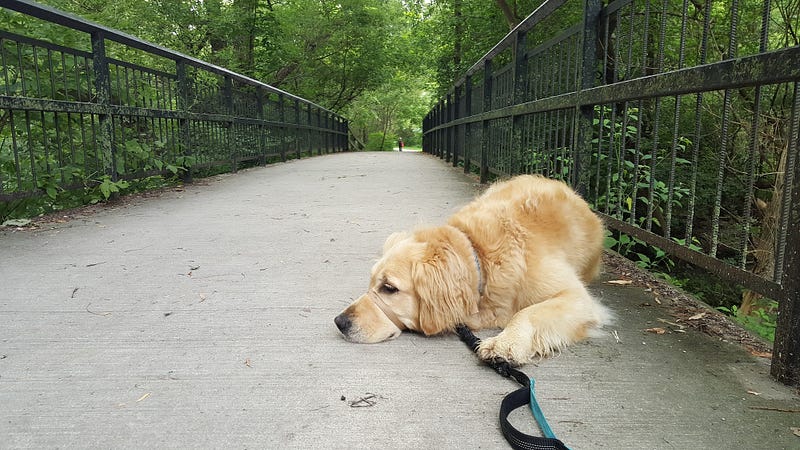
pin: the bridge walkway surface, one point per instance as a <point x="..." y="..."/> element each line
<point x="202" y="317"/>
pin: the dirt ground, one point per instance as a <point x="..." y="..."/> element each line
<point x="687" y="310"/>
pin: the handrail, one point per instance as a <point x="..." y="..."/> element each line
<point x="74" y="119"/>
<point x="56" y="16"/>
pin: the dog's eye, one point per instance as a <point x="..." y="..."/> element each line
<point x="388" y="288"/>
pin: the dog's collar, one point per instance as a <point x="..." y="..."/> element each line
<point x="376" y="298"/>
<point x="480" y="272"/>
<point x="481" y="281"/>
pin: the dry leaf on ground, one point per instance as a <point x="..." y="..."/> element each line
<point x="656" y="330"/>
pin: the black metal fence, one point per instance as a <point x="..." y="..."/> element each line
<point x="70" y="118"/>
<point x="678" y="121"/>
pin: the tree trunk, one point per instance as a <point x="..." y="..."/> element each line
<point x="764" y="250"/>
<point x="244" y="43"/>
<point x="214" y="30"/>
<point x="508" y="13"/>
<point x="458" y="32"/>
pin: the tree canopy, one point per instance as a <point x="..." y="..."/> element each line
<point x="381" y="63"/>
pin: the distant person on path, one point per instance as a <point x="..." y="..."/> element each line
<point x="400" y="144"/>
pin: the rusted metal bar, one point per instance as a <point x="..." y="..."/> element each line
<point x="786" y="351"/>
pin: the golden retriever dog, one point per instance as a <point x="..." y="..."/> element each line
<point x="518" y="257"/>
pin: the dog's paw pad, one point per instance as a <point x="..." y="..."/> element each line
<point x="496" y="351"/>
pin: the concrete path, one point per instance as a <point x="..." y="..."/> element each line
<point x="203" y="318"/>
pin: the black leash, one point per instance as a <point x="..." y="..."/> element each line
<point x="517" y="399"/>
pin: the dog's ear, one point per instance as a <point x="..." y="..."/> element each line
<point x="447" y="296"/>
<point x="393" y="239"/>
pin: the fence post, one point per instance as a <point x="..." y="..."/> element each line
<point x="296" y="134"/>
<point x="227" y="95"/>
<point x="487" y="106"/>
<point x="102" y="79"/>
<point x="184" y="133"/>
<point x="467" y="126"/>
<point x="448" y="132"/>
<point x="585" y="113"/>
<point x="518" y="96"/>
<point x="457" y="128"/>
<point x="786" y="350"/>
<point x="319" y="132"/>
<point x="308" y="130"/>
<point x="441" y="133"/>
<point x="326" y="134"/>
<point x="435" y="134"/>
<point x="262" y="135"/>
<point x="345" y="129"/>
<point x="282" y="118"/>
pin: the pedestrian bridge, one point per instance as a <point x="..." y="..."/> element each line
<point x="202" y="317"/>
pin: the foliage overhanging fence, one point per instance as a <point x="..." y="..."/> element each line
<point x="677" y="121"/>
<point x="124" y="109"/>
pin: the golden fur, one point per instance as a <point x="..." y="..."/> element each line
<point x="538" y="244"/>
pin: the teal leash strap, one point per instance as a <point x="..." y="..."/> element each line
<point x="539" y="415"/>
<point x="516" y="399"/>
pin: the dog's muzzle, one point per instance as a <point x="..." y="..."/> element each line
<point x="376" y="298"/>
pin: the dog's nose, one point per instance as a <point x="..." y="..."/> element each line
<point x="343" y="323"/>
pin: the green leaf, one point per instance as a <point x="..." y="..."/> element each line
<point x="16" y="223"/>
<point x="105" y="188"/>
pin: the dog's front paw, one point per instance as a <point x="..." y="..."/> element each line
<point x="498" y="349"/>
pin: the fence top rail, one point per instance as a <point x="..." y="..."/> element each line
<point x="59" y="17"/>
<point x="539" y="14"/>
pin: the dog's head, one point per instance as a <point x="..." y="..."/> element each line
<point x="425" y="281"/>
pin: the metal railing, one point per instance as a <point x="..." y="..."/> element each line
<point x="678" y="123"/>
<point x="70" y="118"/>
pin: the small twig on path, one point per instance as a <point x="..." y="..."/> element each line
<point x="96" y="313"/>
<point x="364" y="402"/>
<point x="768" y="408"/>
